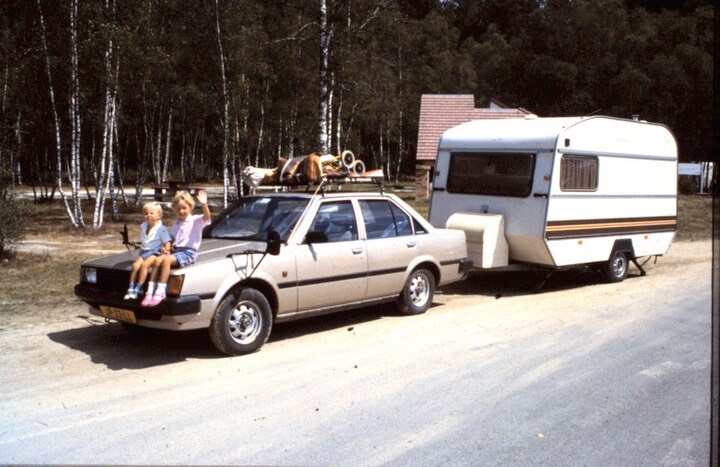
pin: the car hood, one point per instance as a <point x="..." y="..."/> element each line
<point x="210" y="250"/>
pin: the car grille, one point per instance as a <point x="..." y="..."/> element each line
<point x="113" y="280"/>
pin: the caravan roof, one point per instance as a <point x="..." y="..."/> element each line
<point x="532" y="133"/>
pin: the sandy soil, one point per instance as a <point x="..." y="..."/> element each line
<point x="71" y="382"/>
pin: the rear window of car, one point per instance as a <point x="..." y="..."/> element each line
<point x="384" y="219"/>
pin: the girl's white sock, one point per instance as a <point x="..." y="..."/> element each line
<point x="151" y="288"/>
<point x="160" y="288"/>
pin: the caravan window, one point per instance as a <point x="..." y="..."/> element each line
<point x="491" y="174"/>
<point x="578" y="173"/>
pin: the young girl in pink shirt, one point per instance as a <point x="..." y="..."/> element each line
<point x="187" y="235"/>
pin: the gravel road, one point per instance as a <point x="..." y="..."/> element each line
<point x="580" y="374"/>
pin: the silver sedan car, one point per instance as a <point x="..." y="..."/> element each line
<point x="285" y="256"/>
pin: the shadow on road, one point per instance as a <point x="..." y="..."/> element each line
<point x="111" y="345"/>
<point x="514" y="283"/>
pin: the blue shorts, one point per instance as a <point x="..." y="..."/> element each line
<point x="145" y="254"/>
<point x="184" y="256"/>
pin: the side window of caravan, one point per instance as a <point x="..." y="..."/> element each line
<point x="491" y="174"/>
<point x="578" y="173"/>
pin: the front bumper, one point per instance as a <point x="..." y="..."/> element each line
<point x="171" y="306"/>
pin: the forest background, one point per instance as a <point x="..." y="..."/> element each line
<point x="109" y="93"/>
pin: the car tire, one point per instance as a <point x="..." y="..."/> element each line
<point x="616" y="268"/>
<point x="242" y="322"/>
<point x="417" y="294"/>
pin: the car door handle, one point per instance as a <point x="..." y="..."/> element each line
<point x="411" y="243"/>
<point x="358" y="250"/>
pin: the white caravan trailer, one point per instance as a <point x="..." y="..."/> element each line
<point x="558" y="192"/>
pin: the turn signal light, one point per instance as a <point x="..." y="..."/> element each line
<point x="175" y="285"/>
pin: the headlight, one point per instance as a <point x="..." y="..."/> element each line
<point x="89" y="275"/>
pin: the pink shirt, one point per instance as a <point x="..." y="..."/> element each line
<point x="188" y="233"/>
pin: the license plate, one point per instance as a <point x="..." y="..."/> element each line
<point x="118" y="314"/>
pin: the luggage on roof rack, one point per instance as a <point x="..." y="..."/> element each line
<point x="312" y="169"/>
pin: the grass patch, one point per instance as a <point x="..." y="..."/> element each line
<point x="44" y="281"/>
<point x="694" y="217"/>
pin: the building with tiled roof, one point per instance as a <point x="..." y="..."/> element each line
<point x="439" y="112"/>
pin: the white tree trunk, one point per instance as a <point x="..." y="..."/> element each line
<point x="168" y="135"/>
<point x="226" y="107"/>
<point x="75" y="120"/>
<point x="338" y="125"/>
<point x="157" y="161"/>
<point x="261" y="130"/>
<point x="56" y="121"/>
<point x="325" y="39"/>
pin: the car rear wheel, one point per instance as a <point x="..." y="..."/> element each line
<point x="242" y="322"/>
<point x="418" y="292"/>
<point x="616" y="268"/>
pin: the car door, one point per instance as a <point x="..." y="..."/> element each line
<point x="332" y="261"/>
<point x="391" y="246"/>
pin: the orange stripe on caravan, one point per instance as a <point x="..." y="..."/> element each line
<point x="600" y="227"/>
<point x="605" y="225"/>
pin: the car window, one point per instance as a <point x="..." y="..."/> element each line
<point x="336" y="220"/>
<point x="252" y="218"/>
<point x="384" y="219"/>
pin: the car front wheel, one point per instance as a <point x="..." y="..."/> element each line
<point x="418" y="292"/>
<point x="242" y="322"/>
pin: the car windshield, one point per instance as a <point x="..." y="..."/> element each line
<point x="253" y="217"/>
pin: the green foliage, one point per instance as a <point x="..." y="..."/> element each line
<point x="554" y="57"/>
<point x="13" y="222"/>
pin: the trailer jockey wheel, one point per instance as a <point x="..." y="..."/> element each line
<point x="616" y="268"/>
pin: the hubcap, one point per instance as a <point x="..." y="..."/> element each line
<point x="419" y="290"/>
<point x="245" y="322"/>
<point x="619" y="265"/>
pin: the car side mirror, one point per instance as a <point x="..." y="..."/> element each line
<point x="316" y="237"/>
<point x="273" y="243"/>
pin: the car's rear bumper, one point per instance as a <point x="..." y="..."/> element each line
<point x="171" y="306"/>
<point x="465" y="266"/>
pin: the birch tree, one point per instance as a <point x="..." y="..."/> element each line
<point x="71" y="206"/>
<point x="75" y="119"/>
<point x="226" y="107"/>
<point x="324" y="79"/>
<point x="106" y="164"/>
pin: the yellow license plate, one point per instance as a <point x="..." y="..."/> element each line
<point x="118" y="314"/>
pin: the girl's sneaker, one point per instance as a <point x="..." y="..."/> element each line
<point x="153" y="300"/>
<point x="146" y="300"/>
<point x="131" y="294"/>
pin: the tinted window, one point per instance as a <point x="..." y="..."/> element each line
<point x="252" y="218"/>
<point x="383" y="219"/>
<point x="337" y="221"/>
<point x="491" y="174"/>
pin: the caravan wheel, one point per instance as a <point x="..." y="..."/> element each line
<point x="616" y="268"/>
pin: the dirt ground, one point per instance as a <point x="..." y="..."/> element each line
<point x="71" y="382"/>
<point x="480" y="287"/>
